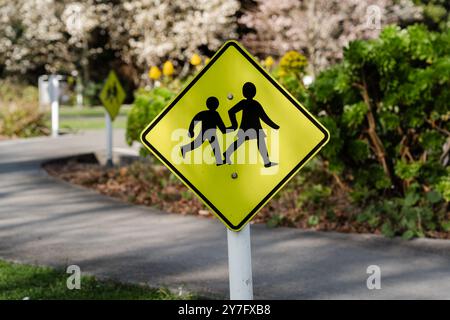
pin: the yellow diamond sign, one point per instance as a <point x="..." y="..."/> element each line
<point x="234" y="136"/>
<point x="112" y="95"/>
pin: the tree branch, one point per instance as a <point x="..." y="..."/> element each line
<point x="371" y="131"/>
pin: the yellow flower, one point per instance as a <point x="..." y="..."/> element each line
<point x="195" y="59"/>
<point x="293" y="62"/>
<point x="154" y="73"/>
<point x="168" y="68"/>
<point x="282" y="73"/>
<point x="207" y="60"/>
<point x="268" y="62"/>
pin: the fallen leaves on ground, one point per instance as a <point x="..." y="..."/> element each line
<point x="148" y="184"/>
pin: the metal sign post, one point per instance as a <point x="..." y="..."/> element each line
<point x="112" y="96"/>
<point x="109" y="140"/>
<point x="79" y="92"/>
<point x="240" y="264"/>
<point x="53" y="88"/>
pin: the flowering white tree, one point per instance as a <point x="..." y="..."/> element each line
<point x="320" y="28"/>
<point x="58" y="34"/>
<point x="146" y="32"/>
<point x="31" y="35"/>
<point x="80" y="20"/>
<point x="61" y="35"/>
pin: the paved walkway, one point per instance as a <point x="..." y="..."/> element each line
<point x="45" y="221"/>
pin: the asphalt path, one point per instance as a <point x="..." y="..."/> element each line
<point x="45" y="221"/>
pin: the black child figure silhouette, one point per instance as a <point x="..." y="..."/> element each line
<point x="250" y="128"/>
<point x="210" y="121"/>
<point x="111" y="94"/>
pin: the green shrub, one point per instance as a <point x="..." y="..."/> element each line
<point x="19" y="111"/>
<point x="16" y="93"/>
<point x="387" y="107"/>
<point x="290" y="72"/>
<point x="436" y="13"/>
<point x="147" y="105"/>
<point x="91" y="93"/>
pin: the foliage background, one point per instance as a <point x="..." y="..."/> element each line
<point x="67" y="36"/>
<point x="87" y="38"/>
<point x="386" y="106"/>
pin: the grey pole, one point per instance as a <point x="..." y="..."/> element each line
<point x="109" y="140"/>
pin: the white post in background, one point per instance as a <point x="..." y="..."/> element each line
<point x="44" y="94"/>
<point x="240" y="264"/>
<point x="79" y="92"/>
<point x="53" y="89"/>
<point x="109" y="140"/>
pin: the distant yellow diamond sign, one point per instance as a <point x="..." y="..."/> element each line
<point x="234" y="136"/>
<point x="112" y="95"/>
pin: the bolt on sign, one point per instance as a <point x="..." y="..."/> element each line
<point x="112" y="95"/>
<point x="234" y="136"/>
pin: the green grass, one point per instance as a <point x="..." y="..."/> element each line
<point x="95" y="111"/>
<point x="74" y="118"/>
<point x="18" y="281"/>
<point x="94" y="123"/>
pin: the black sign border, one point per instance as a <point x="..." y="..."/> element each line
<point x="274" y="83"/>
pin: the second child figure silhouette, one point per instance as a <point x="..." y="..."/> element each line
<point x="210" y="121"/>
<point x="250" y="128"/>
